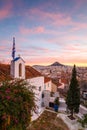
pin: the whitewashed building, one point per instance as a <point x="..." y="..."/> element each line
<point x="38" y="82"/>
<point x="18" y="71"/>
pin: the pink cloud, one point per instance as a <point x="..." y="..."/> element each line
<point x="4" y="42"/>
<point x="79" y="3"/>
<point x="33" y="51"/>
<point x="52" y="18"/>
<point x="78" y="26"/>
<point x="24" y="30"/>
<point x="72" y="50"/>
<point x="36" y="30"/>
<point x="39" y="29"/>
<point x="56" y="19"/>
<point x="66" y="39"/>
<point x="6" y="11"/>
<point x="2" y="47"/>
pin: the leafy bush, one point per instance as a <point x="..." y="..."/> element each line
<point x="16" y="104"/>
<point x="83" y="121"/>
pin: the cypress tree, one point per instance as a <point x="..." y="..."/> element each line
<point x="73" y="94"/>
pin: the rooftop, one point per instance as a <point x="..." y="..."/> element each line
<point x="56" y="82"/>
<point x="17" y="58"/>
<point x="30" y="72"/>
<point x="46" y="79"/>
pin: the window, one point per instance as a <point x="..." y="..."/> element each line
<point x="48" y="84"/>
<point x="20" y="70"/>
<point x="42" y="95"/>
<point x="40" y="88"/>
<point x="44" y="86"/>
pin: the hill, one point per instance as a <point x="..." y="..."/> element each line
<point x="56" y="64"/>
<point x="43" y="66"/>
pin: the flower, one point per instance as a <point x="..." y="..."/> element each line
<point x="8" y="97"/>
<point x="4" y="116"/>
<point x="7" y="90"/>
<point x="16" y="121"/>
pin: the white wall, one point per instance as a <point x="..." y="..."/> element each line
<point x="62" y="85"/>
<point x="37" y="82"/>
<point x="15" y="68"/>
<point x="48" y="86"/>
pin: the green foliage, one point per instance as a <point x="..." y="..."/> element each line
<point x="73" y="94"/>
<point x="83" y="121"/>
<point x="56" y="101"/>
<point x="16" y="103"/>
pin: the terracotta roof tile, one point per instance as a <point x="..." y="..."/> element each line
<point x="46" y="79"/>
<point x="63" y="80"/>
<point x="5" y="72"/>
<point x="30" y="72"/>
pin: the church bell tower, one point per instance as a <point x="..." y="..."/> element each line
<point x="17" y="65"/>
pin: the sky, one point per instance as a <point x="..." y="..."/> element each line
<point x="45" y="31"/>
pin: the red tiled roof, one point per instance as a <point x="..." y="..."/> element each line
<point x="30" y="72"/>
<point x="46" y="79"/>
<point x="63" y="80"/>
<point x="5" y="72"/>
<point x="59" y="84"/>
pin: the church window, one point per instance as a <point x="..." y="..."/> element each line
<point x="20" y="70"/>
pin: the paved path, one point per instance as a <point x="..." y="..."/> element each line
<point x="74" y="126"/>
<point x="62" y="107"/>
<point x="71" y="126"/>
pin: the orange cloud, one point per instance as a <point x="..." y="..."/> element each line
<point x="64" y="60"/>
<point x="41" y="60"/>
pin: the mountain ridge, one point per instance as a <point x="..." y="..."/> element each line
<point x="56" y="63"/>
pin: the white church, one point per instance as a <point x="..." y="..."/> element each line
<point x="18" y="71"/>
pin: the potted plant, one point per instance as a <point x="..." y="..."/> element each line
<point x="56" y="104"/>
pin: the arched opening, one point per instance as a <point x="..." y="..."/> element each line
<point x="20" y="70"/>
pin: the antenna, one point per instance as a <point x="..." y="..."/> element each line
<point x="13" y="49"/>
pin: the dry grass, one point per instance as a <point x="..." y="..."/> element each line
<point x="48" y="121"/>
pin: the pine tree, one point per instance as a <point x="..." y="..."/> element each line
<point x="73" y="94"/>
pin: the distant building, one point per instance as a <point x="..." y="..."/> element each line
<point x="47" y="84"/>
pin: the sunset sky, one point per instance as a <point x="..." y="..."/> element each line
<point x="45" y="31"/>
